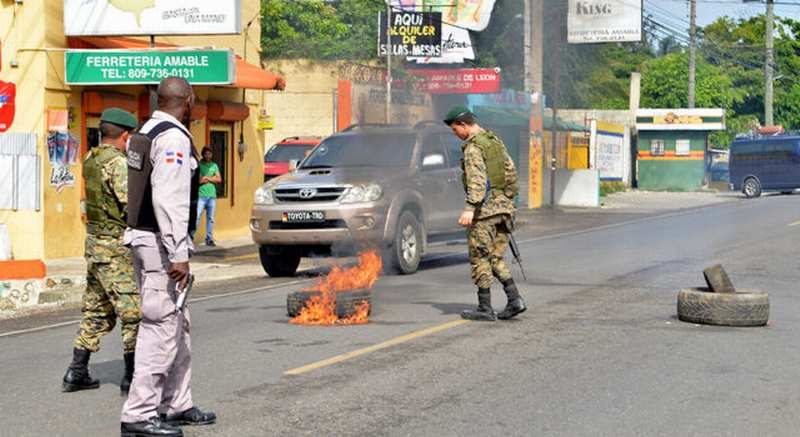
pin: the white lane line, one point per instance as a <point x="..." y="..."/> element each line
<point x="198" y="299"/>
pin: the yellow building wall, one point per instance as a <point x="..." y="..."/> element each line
<point x="57" y="230"/>
<point x="22" y="28"/>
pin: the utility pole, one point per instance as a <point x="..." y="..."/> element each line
<point x="692" y="49"/>
<point x="768" y="72"/>
<point x="526" y="47"/>
<point x="388" y="61"/>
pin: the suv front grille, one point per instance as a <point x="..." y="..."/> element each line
<point x="327" y="224"/>
<point x="316" y="194"/>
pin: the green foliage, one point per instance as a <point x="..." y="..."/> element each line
<point x="319" y="29"/>
<point x="611" y="187"/>
<point x="665" y="79"/>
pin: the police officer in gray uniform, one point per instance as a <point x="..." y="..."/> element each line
<point x="163" y="181"/>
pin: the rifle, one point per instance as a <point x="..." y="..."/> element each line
<point x="512" y="243"/>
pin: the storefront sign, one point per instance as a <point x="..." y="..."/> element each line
<point x="592" y="21"/>
<point x="109" y="67"/>
<point x="149" y="17"/>
<point x="413" y="34"/>
<point x="8" y="92"/>
<point x="610" y="159"/>
<point x="457" y="81"/>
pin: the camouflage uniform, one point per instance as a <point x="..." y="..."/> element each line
<point x="110" y="288"/>
<point x="489" y="234"/>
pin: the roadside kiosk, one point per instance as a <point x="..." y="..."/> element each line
<point x="672" y="147"/>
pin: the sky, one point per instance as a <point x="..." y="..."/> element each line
<point x="710" y="10"/>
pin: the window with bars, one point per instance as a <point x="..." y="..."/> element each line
<point x="20" y="169"/>
<point x="657" y="147"/>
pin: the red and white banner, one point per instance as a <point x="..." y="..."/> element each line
<point x="8" y="93"/>
<point x="457" y="81"/>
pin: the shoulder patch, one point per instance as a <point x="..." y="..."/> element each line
<point x="135" y="160"/>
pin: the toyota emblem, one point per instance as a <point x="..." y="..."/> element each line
<point x="307" y="193"/>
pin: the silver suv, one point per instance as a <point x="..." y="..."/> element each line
<point x="371" y="186"/>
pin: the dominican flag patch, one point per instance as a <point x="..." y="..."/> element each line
<point x="174" y="157"/>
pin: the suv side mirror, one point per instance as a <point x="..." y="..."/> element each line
<point x="435" y="160"/>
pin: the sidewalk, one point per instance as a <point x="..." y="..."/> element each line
<point x="237" y="258"/>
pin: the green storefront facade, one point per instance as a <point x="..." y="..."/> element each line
<point x="671" y="147"/>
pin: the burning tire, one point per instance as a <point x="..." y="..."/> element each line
<point x="698" y="305"/>
<point x="346" y="301"/>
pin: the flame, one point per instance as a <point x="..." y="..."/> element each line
<point x="321" y="310"/>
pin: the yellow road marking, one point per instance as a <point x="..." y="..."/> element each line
<point x="795" y="223"/>
<point x="241" y="257"/>
<point x="389" y="343"/>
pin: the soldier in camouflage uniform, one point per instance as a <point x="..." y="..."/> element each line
<point x="110" y="288"/>
<point x="490" y="183"/>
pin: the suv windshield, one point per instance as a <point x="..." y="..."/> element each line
<point x="286" y="153"/>
<point x="360" y="150"/>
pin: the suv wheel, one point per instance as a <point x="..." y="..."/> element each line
<point x="279" y="261"/>
<point x="406" y="249"/>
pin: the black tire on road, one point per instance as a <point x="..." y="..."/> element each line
<point x="698" y="305"/>
<point x="346" y="301"/>
<point x="403" y="255"/>
<point x="751" y="187"/>
<point x="279" y="261"/>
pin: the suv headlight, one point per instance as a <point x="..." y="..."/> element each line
<point x="264" y="196"/>
<point x="362" y="193"/>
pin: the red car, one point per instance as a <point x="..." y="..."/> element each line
<point x="278" y="157"/>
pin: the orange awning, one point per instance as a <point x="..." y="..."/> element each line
<point x="247" y="75"/>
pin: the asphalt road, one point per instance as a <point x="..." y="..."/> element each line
<point x="599" y="352"/>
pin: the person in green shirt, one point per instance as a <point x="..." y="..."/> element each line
<point x="207" y="198"/>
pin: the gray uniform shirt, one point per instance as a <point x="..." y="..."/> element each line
<point x="173" y="165"/>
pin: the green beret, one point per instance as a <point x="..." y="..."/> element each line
<point x="120" y="117"/>
<point x="456" y="112"/>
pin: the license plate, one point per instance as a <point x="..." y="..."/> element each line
<point x="303" y="217"/>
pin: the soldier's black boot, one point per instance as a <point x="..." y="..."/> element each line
<point x="77" y="376"/>
<point x="154" y="427"/>
<point x="484" y="311"/>
<point x="125" y="385"/>
<point x="515" y="303"/>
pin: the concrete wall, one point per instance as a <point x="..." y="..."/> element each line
<point x="577" y="188"/>
<point x="306" y="106"/>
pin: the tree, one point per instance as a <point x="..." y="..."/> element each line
<point x="320" y="29"/>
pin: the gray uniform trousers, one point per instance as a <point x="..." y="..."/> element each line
<point x="163" y="348"/>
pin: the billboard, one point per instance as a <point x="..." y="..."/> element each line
<point x="152" y="17"/>
<point x="412" y="34"/>
<point x="593" y="21"/>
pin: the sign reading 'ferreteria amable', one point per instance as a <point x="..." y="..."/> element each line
<point x="152" y="17"/>
<point x="591" y="21"/>
<point x="120" y="67"/>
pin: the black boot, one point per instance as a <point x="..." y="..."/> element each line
<point x="193" y="416"/>
<point x="125" y="385"/>
<point x="77" y="376"/>
<point x="149" y="428"/>
<point x="484" y="311"/>
<point x="515" y="303"/>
